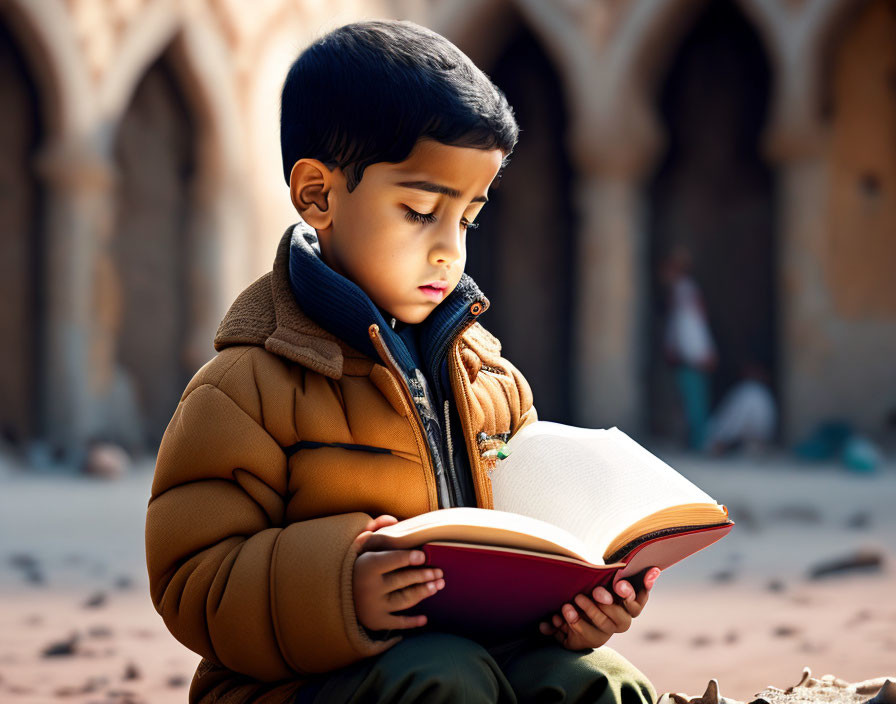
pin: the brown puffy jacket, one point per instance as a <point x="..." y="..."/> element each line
<point x="249" y="544"/>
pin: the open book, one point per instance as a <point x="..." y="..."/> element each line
<point x="574" y="508"/>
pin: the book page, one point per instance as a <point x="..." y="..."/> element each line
<point x="592" y="483"/>
<point x="482" y="527"/>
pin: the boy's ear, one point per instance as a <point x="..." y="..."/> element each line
<point x="309" y="188"/>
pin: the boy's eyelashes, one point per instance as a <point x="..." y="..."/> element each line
<point x="414" y="216"/>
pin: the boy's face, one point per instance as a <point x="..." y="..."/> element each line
<point x="403" y="243"/>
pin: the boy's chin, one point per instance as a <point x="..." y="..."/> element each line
<point x="414" y="317"/>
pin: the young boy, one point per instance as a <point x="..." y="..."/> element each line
<point x="354" y="387"/>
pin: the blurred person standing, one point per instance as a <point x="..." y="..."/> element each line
<point x="688" y="342"/>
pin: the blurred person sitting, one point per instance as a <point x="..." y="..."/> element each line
<point x="746" y="417"/>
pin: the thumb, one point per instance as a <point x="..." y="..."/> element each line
<point x="380" y="522"/>
<point x="362" y="538"/>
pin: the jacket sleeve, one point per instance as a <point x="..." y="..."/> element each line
<point x="510" y="385"/>
<point x="231" y="580"/>
<point x="527" y="413"/>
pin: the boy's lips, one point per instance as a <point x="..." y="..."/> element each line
<point x="434" y="289"/>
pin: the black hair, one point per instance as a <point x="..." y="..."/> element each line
<point x="368" y="91"/>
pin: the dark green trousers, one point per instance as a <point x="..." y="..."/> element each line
<point x="438" y="668"/>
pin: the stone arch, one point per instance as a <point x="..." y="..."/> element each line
<point x="278" y="43"/>
<point x="42" y="31"/>
<point x="214" y="240"/>
<point x="713" y="193"/>
<point x="522" y="255"/>
<point x="70" y="173"/>
<point x="646" y="39"/>
<point x="201" y="62"/>
<point x="21" y="235"/>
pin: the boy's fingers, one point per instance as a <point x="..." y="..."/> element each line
<point x="561" y="635"/>
<point x="602" y="596"/>
<point x="650" y="577"/>
<point x="645" y="580"/>
<point x="597" y="617"/>
<point x="391" y="560"/>
<point x="624" y="589"/>
<point x="396" y="621"/>
<point x="636" y="605"/>
<point x="620" y="619"/>
<point x="580" y="626"/>
<point x="410" y="596"/>
<point x="633" y="606"/>
<point x="399" y="579"/>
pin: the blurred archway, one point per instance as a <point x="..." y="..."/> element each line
<point x="713" y="194"/>
<point x="21" y="275"/>
<point x="522" y="254"/>
<point x="156" y="160"/>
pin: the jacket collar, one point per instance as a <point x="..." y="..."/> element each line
<point x="267" y="314"/>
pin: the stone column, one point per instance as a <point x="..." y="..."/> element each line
<point x="219" y="260"/>
<point x="797" y="147"/>
<point x="609" y="293"/>
<point x="81" y="300"/>
<point x="610" y="269"/>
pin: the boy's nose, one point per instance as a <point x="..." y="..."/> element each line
<point x="448" y="247"/>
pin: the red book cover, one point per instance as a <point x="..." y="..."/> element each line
<point x="493" y="591"/>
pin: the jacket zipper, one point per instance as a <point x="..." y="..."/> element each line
<point x="407" y="394"/>
<point x="450" y="444"/>
<point x="475" y="464"/>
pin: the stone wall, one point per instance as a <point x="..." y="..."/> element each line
<point x="827" y="139"/>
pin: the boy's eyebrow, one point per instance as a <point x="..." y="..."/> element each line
<point x="438" y="188"/>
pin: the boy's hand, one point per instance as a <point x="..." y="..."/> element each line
<point x="388" y="581"/>
<point x="595" y="621"/>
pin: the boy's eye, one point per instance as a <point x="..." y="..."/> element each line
<point x="414" y="216"/>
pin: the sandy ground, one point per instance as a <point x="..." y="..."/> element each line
<point x="744" y="611"/>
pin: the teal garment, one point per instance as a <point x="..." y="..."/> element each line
<point x="693" y="385"/>
<point x="440" y="668"/>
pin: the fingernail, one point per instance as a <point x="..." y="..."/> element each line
<point x="417" y="556"/>
<point x="570" y="613"/>
<point x="431" y="586"/>
<point x="439" y="574"/>
<point x="622" y="589"/>
<point x="603" y="596"/>
<point x="543" y="627"/>
<point x="651" y="577"/>
<point x="440" y="584"/>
